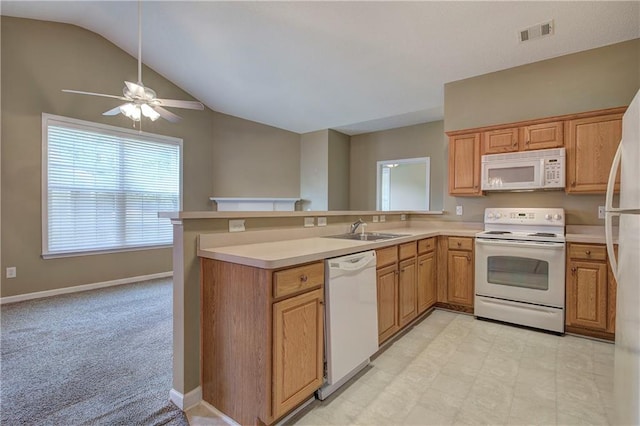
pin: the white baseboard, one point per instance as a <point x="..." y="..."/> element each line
<point x="188" y="400"/>
<point x="85" y="287"/>
<point x="228" y="420"/>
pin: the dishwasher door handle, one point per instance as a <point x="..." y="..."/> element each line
<point x="354" y="264"/>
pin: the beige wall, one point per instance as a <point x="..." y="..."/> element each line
<point x="223" y="155"/>
<point x="338" y="175"/>
<point x="422" y="140"/>
<point x="253" y="160"/>
<point x="314" y="180"/>
<point x="590" y="80"/>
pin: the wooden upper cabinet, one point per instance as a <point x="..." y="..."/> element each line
<point x="464" y="164"/>
<point x="500" y="141"/>
<point x="543" y="136"/>
<point x="591" y="145"/>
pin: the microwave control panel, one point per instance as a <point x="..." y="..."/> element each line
<point x="553" y="172"/>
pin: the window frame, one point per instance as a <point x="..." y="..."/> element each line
<point x="105" y="129"/>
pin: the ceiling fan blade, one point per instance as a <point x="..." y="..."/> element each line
<point x="180" y="104"/>
<point x="113" y="111"/>
<point x="79" y="92"/>
<point x="167" y="115"/>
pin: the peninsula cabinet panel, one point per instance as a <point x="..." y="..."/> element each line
<point x="587" y="295"/>
<point x="543" y="136"/>
<point x="591" y="145"/>
<point x="407" y="292"/>
<point x="427" y="280"/>
<point x="236" y="367"/>
<point x="464" y="165"/>
<point x="387" y="281"/>
<point x="297" y="350"/>
<point x="460" y="277"/>
<point x="612" y="290"/>
<point x="500" y="141"/>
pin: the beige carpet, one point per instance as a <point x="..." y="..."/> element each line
<point x="100" y="357"/>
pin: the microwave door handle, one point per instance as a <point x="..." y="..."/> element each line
<point x="541" y="179"/>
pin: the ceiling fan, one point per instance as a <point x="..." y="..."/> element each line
<point x="141" y="101"/>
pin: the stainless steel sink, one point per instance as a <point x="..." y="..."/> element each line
<point x="367" y="236"/>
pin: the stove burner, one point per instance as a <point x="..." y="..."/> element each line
<point x="542" y="234"/>
<point x="497" y="232"/>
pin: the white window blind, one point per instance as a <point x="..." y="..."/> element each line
<point x="104" y="186"/>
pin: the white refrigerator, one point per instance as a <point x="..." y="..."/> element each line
<point x="626" y="267"/>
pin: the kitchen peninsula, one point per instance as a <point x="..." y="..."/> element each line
<point x="279" y="240"/>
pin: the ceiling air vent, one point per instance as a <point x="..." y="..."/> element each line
<point x="537" y="31"/>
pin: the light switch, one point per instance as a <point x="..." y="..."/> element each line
<point x="459" y="210"/>
<point x="375" y="219"/>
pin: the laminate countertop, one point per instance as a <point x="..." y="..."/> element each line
<point x="280" y="254"/>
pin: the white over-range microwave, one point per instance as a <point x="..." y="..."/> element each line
<point x="529" y="170"/>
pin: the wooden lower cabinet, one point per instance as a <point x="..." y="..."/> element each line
<point x="460" y="273"/>
<point x="262" y="338"/>
<point x="407" y="294"/>
<point x="387" y="282"/>
<point x="589" y="290"/>
<point x="427" y="281"/>
<point x="587" y="295"/>
<point x="298" y="341"/>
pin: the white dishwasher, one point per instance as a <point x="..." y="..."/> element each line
<point x="351" y="317"/>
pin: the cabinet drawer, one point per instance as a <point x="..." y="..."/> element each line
<point x="386" y="256"/>
<point x="293" y="280"/>
<point x="586" y="251"/>
<point x="426" y="245"/>
<point x="460" y="243"/>
<point x="408" y="250"/>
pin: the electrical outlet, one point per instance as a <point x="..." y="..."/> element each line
<point x="11" y="272"/>
<point x="309" y="222"/>
<point x="403" y="217"/>
<point x="236" y="225"/>
<point x="383" y="218"/>
<point x="322" y="221"/>
<point x="375" y="219"/>
<point x="600" y="212"/>
<point x="459" y="210"/>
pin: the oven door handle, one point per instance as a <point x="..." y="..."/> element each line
<point x="506" y="243"/>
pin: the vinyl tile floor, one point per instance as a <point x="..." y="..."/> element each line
<point x="452" y="369"/>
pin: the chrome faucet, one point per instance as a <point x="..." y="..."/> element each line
<point x="355" y="225"/>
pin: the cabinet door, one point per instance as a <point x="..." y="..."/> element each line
<point x="298" y="342"/>
<point x="499" y="141"/>
<point x="387" y="280"/>
<point x="543" y="136"/>
<point x="407" y="294"/>
<point x="426" y="281"/>
<point x="464" y="165"/>
<point x="460" y="277"/>
<point x="591" y="146"/>
<point x="587" y="295"/>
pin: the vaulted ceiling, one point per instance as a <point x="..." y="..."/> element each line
<point x="350" y="66"/>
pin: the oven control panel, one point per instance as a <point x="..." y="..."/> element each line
<point x="528" y="216"/>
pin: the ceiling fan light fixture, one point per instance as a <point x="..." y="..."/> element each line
<point x="149" y="112"/>
<point x="131" y="110"/>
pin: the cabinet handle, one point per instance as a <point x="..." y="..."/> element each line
<point x="515" y="143"/>
<point x="526" y="143"/>
<point x="459" y="244"/>
<point x="587" y="252"/>
<point x="303" y="278"/>
<point x="573" y="183"/>
<point x="468" y="258"/>
<point x="396" y="272"/>
<point x="321" y="302"/>
<point x="421" y="263"/>
<point x="573" y="270"/>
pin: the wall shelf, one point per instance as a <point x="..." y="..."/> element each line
<point x="226" y="204"/>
